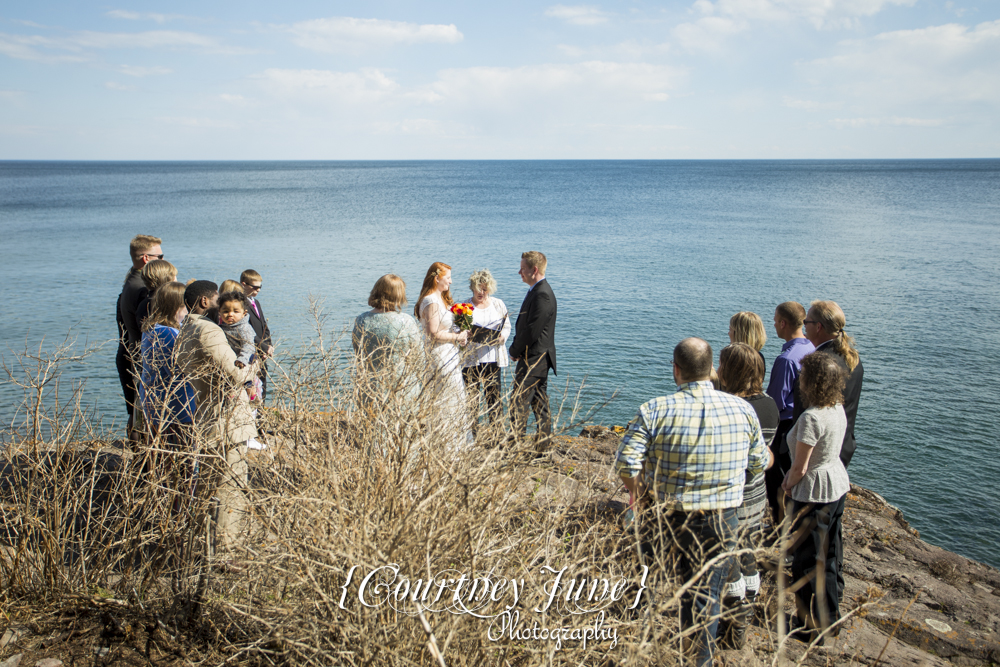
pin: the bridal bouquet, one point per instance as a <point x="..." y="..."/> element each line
<point x="463" y="315"/>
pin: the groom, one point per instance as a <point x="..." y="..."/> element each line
<point x="534" y="350"/>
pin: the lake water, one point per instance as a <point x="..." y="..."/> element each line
<point x="641" y="254"/>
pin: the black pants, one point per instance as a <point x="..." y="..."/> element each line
<point x="124" y="364"/>
<point x="823" y="550"/>
<point x="775" y="475"/>
<point x="530" y="392"/>
<point x="262" y="374"/>
<point x="486" y="376"/>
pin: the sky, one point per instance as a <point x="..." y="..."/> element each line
<point x="436" y="79"/>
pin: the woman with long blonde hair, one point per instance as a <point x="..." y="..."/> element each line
<point x="747" y="327"/>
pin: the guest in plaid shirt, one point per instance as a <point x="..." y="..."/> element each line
<point x="693" y="449"/>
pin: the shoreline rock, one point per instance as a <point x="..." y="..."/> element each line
<point x="927" y="605"/>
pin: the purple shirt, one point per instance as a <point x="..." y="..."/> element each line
<point x="785" y="371"/>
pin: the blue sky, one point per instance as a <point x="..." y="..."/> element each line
<point x="471" y="80"/>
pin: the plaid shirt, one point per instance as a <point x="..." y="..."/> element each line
<point x="693" y="447"/>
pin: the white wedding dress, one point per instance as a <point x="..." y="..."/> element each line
<point x="444" y="379"/>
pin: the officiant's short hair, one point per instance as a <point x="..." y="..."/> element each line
<point x="483" y="277"/>
<point x="535" y="260"/>
<point x="389" y="293"/>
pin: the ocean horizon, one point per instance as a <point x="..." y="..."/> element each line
<point x="642" y="253"/>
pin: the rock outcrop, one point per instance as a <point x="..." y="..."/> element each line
<point x="916" y="603"/>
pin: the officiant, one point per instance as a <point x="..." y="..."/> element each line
<point x="486" y="356"/>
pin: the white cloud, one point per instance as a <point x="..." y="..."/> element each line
<point x="855" y="123"/>
<point x="578" y="14"/>
<point x="114" y="85"/>
<point x="634" y="127"/>
<point x="27" y="47"/>
<point x="24" y="130"/>
<point x="343" y="33"/>
<point x="707" y="34"/>
<point x="187" y="121"/>
<point x="131" y="70"/>
<point x="571" y="51"/>
<point x="720" y="19"/>
<point x="820" y="13"/>
<point x="808" y="105"/>
<point x="503" y="87"/>
<point x="630" y="49"/>
<point x="151" y="39"/>
<point x="363" y="87"/>
<point x="420" y="127"/>
<point x="41" y="48"/>
<point x="238" y="100"/>
<point x="138" y="16"/>
<point x="480" y="98"/>
<point x="939" y="65"/>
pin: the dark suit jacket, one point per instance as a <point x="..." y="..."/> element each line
<point x="133" y="292"/>
<point x="262" y="332"/>
<point x="852" y="396"/>
<point x="535" y="332"/>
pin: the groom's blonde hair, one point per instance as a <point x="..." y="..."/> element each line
<point x="535" y="260"/>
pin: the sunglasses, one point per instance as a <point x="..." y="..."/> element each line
<point x="153" y="256"/>
<point x="256" y="287"/>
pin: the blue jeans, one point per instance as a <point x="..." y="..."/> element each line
<point x="694" y="538"/>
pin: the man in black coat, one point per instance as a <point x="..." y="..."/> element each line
<point x="143" y="249"/>
<point x="534" y="350"/>
<point x="824" y="327"/>
<point x="252" y="282"/>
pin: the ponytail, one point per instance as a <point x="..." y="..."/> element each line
<point x="844" y="346"/>
<point x="829" y="314"/>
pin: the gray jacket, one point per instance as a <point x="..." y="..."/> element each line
<point x="241" y="337"/>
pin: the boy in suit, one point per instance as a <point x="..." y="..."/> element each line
<point x="252" y="282"/>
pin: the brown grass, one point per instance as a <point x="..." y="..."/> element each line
<point x="114" y="545"/>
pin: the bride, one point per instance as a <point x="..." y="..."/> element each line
<point x="445" y="383"/>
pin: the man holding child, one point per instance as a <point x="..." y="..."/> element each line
<point x="224" y="419"/>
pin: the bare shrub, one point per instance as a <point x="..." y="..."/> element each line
<point x="374" y="534"/>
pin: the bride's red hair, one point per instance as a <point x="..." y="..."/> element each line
<point x="433" y="273"/>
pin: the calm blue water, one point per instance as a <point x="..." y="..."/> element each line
<point x="641" y="254"/>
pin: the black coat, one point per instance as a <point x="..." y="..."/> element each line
<point x="262" y="337"/>
<point x="852" y="397"/>
<point x="535" y="332"/>
<point x="133" y="293"/>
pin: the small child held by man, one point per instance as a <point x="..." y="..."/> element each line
<point x="235" y="321"/>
